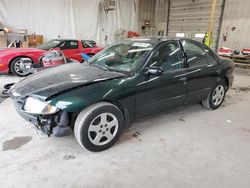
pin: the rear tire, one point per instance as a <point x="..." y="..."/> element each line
<point x="99" y="126"/>
<point x="216" y="96"/>
<point x="16" y="69"/>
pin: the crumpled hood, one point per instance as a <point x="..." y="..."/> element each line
<point x="52" y="81"/>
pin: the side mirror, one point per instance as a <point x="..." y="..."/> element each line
<point x="155" y="71"/>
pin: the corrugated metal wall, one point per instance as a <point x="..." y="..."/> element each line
<point x="147" y="10"/>
<point x="236" y="15"/>
<point x="155" y="11"/>
<point x="192" y="16"/>
<point x="147" y="13"/>
<point x="161" y="16"/>
<point x="162" y="10"/>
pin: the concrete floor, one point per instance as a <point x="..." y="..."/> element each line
<point x="186" y="147"/>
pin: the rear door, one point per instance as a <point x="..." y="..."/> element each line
<point x="158" y="93"/>
<point x="201" y="71"/>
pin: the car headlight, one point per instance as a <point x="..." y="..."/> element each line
<point x="36" y="106"/>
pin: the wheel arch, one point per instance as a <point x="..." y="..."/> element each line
<point x="226" y="80"/>
<point x="122" y="108"/>
<point x="116" y="103"/>
<point x="19" y="56"/>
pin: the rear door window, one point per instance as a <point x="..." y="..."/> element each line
<point x="196" y="55"/>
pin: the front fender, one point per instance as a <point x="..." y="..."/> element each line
<point x="76" y="100"/>
<point x="4" y="64"/>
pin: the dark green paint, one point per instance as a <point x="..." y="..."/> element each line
<point x="136" y="93"/>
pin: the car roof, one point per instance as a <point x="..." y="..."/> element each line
<point x="148" y="39"/>
<point x="155" y="39"/>
<point x="66" y="39"/>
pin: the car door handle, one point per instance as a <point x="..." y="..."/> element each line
<point x="184" y="80"/>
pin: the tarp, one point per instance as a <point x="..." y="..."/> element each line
<point x="82" y="19"/>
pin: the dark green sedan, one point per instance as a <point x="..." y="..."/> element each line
<point x="131" y="79"/>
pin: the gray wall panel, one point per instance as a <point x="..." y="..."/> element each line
<point x="236" y="14"/>
<point x="192" y="16"/>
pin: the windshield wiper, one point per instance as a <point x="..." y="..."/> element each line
<point x="106" y="68"/>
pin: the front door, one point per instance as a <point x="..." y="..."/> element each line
<point x="158" y="93"/>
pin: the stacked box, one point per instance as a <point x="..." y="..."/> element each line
<point x="34" y="40"/>
<point x="3" y="41"/>
<point x="25" y="45"/>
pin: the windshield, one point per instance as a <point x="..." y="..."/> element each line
<point x="50" y="44"/>
<point x="123" y="56"/>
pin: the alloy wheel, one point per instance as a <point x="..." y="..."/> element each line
<point x="218" y="95"/>
<point x="103" y="129"/>
<point x="18" y="69"/>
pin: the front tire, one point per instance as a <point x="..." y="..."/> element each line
<point x="16" y="69"/>
<point x="216" y="96"/>
<point x="99" y="126"/>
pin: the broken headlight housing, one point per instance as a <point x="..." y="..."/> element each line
<point x="36" y="106"/>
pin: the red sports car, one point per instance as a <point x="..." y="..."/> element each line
<point x="10" y="57"/>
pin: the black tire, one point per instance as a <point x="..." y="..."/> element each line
<point x="8" y="86"/>
<point x="40" y="61"/>
<point x="91" y="117"/>
<point x="210" y="102"/>
<point x="4" y="94"/>
<point x="15" y="69"/>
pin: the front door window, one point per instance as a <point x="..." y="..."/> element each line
<point x="168" y="57"/>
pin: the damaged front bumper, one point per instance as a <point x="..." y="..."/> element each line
<point x="57" y="124"/>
